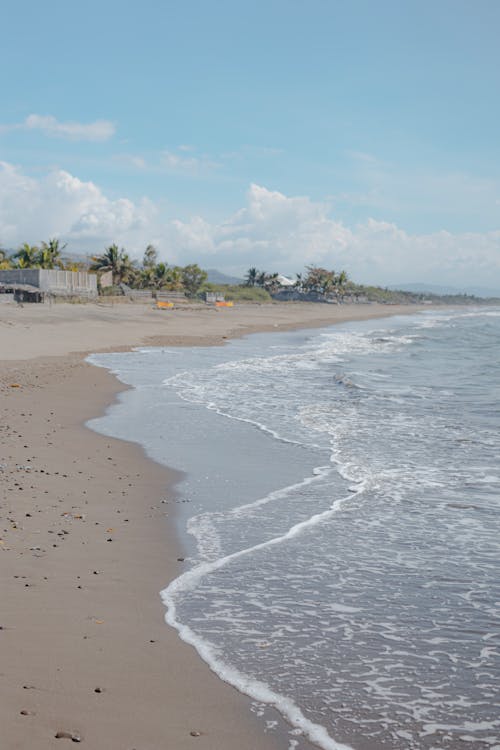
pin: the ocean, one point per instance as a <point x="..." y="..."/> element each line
<point x="339" y="510"/>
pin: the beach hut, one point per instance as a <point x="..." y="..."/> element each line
<point x="22" y="292"/>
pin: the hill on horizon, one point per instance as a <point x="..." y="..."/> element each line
<point x="476" y="291"/>
<point x="217" y="277"/>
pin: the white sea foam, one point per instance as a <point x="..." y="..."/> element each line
<point x="359" y="601"/>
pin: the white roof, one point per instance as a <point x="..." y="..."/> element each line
<point x="284" y="280"/>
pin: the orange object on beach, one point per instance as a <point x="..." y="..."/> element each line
<point x="224" y="304"/>
<point x="164" y="305"/>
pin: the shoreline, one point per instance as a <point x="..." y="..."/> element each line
<point x="81" y="578"/>
<point x="82" y="613"/>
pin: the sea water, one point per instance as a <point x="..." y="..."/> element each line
<point x="340" y="513"/>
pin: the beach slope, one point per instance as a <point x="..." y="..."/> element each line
<point x="86" y="542"/>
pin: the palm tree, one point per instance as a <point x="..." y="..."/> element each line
<point x="173" y="279"/>
<point x="130" y="274"/>
<point x="261" y="278"/>
<point x="251" y="277"/>
<point x="27" y="256"/>
<point x="114" y="260"/>
<point x="50" y="254"/>
<point x="341" y="281"/>
<point x="160" y="275"/>
<point x="147" y="278"/>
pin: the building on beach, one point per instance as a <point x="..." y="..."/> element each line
<point x="35" y="284"/>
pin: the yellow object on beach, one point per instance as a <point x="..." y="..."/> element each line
<point x="224" y="304"/>
<point x="164" y="305"/>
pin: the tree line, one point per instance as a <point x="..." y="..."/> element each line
<point x="151" y="273"/>
<point x="318" y="280"/>
<point x="148" y="274"/>
<point x="48" y="255"/>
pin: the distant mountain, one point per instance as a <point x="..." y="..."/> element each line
<point x="216" y="277"/>
<point x="477" y="291"/>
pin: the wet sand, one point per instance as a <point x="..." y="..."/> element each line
<point x="86" y="544"/>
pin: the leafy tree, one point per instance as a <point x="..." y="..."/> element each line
<point x="174" y="278"/>
<point x="27" y="256"/>
<point x="192" y="279"/>
<point x="319" y="280"/>
<point x="5" y="261"/>
<point x="150" y="258"/>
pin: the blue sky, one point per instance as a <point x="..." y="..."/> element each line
<point x="350" y="134"/>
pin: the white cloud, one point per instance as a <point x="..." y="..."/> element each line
<point x="277" y="232"/>
<point x="272" y="231"/>
<point x="60" y="204"/>
<point x="100" y="130"/>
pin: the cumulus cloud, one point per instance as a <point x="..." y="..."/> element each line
<point x="283" y="233"/>
<point x="60" y="204"/>
<point x="271" y="231"/>
<point x="99" y="130"/>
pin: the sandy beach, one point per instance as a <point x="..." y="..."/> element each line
<point x="86" y="544"/>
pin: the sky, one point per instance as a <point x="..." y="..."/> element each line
<point x="350" y="134"/>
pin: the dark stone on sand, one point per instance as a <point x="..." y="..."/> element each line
<point x="180" y="559"/>
<point x="68" y="736"/>
<point x="98" y="690"/>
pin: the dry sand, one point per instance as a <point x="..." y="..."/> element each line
<point x="86" y="545"/>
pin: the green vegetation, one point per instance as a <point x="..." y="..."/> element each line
<point x="48" y="255"/>
<point x="315" y="284"/>
<point x="239" y="293"/>
<point x="114" y="260"/>
<point x="317" y="281"/>
<point x="150" y="274"/>
<point x="5" y="262"/>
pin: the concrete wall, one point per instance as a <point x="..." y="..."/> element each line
<point x="59" y="283"/>
<point x="21" y="276"/>
<point x="106" y="279"/>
